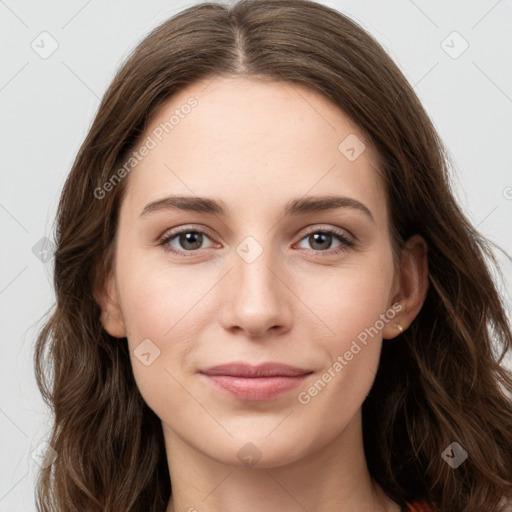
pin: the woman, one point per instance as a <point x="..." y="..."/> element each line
<point x="256" y="369"/>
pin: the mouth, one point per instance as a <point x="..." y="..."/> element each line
<point x="261" y="382"/>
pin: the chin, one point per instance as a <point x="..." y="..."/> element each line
<point x="260" y="452"/>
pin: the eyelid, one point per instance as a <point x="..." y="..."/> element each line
<point x="172" y="233"/>
<point x="335" y="229"/>
<point x="347" y="241"/>
<point x="313" y="228"/>
<point x="185" y="229"/>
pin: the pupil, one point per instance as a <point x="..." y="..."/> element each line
<point x="189" y="238"/>
<point x="320" y="236"/>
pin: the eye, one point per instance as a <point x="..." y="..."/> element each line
<point x="321" y="241"/>
<point x="189" y="240"/>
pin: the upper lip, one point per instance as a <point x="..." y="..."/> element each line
<point x="261" y="370"/>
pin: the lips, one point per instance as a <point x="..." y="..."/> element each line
<point x="261" y="382"/>
<point x="249" y="371"/>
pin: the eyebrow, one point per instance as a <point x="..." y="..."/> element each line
<point x="218" y="207"/>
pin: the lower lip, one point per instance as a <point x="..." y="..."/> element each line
<point x="255" y="388"/>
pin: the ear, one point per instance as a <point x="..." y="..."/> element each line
<point x="411" y="286"/>
<point x="111" y="315"/>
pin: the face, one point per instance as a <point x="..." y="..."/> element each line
<point x="270" y="278"/>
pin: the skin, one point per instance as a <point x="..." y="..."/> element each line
<point x="256" y="146"/>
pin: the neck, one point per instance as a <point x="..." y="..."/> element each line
<point x="332" y="479"/>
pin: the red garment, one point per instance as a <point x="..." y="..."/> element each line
<point x="418" y="506"/>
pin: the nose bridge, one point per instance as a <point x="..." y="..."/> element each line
<point x="257" y="300"/>
<point x="252" y="267"/>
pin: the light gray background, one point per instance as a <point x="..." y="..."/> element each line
<point x="48" y="104"/>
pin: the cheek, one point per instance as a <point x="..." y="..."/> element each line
<point x="157" y="297"/>
<point x="353" y="309"/>
<point x="160" y="311"/>
<point x="162" y="325"/>
<point x="349" y="299"/>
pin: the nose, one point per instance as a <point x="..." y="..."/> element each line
<point x="256" y="297"/>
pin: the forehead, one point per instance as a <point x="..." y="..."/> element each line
<point x="244" y="141"/>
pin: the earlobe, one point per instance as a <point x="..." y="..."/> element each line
<point x="413" y="286"/>
<point x="111" y="314"/>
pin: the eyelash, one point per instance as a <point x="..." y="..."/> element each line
<point x="346" y="243"/>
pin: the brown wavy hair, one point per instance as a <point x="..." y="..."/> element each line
<point x="441" y="381"/>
